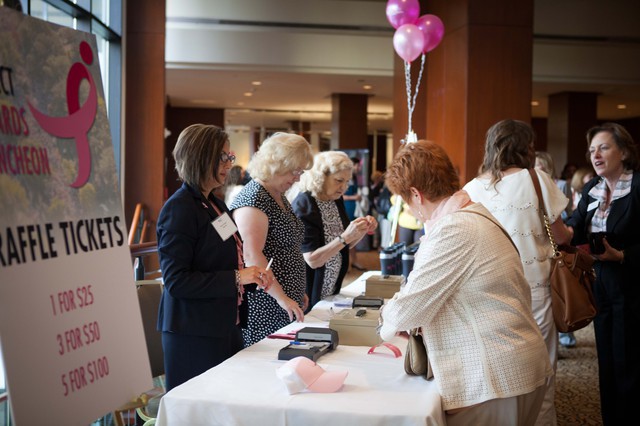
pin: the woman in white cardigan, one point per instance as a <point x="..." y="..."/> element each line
<point x="468" y="293"/>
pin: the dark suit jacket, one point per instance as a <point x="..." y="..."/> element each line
<point x="200" y="296"/>
<point x="306" y="208"/>
<point x="623" y="223"/>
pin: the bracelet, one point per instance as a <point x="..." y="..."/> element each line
<point x="341" y="239"/>
<point x="237" y="278"/>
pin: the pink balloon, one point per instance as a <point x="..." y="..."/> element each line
<point x="400" y="12"/>
<point x="408" y="42"/>
<point x="433" y="30"/>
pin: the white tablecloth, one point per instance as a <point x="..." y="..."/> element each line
<point x="244" y="390"/>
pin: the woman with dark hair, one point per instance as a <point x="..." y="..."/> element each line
<point x="200" y="251"/>
<point x="610" y="204"/>
<point x="468" y="293"/>
<point x="234" y="184"/>
<point x="505" y="188"/>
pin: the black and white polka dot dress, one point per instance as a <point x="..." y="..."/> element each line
<point x="284" y="245"/>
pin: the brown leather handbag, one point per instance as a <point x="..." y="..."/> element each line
<point x="572" y="277"/>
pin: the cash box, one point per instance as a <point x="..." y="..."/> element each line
<point x="384" y="286"/>
<point x="311" y="342"/>
<point x="357" y="327"/>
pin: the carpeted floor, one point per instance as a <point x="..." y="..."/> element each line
<point x="577" y="394"/>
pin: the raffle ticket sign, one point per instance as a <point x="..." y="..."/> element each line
<point x="72" y="339"/>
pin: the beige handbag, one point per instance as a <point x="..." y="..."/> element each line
<point x="416" y="361"/>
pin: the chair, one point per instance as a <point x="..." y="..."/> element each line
<point x="149" y="295"/>
<point x="146" y="405"/>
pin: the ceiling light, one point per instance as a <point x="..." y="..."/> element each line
<point x="367" y="87"/>
<point x="256" y="83"/>
<point x="535" y="103"/>
<point x="248" y="94"/>
<point x="622" y="106"/>
<point x="240" y="103"/>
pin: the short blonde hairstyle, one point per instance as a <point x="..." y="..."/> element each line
<point x="279" y="154"/>
<point x="547" y="163"/>
<point x="325" y="164"/>
<point x="577" y="179"/>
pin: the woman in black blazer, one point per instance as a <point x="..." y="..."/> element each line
<point x="200" y="251"/>
<point x="610" y="203"/>
<point x="328" y="234"/>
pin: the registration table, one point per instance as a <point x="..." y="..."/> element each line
<point x="244" y="390"/>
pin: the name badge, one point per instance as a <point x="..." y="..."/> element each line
<point x="593" y="205"/>
<point x="224" y="226"/>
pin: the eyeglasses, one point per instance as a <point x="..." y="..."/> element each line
<point x="297" y="172"/>
<point x="224" y="157"/>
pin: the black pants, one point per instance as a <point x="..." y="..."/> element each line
<point x="617" y="329"/>
<point x="188" y="356"/>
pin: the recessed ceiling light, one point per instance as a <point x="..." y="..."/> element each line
<point x="256" y="83"/>
<point x="535" y="103"/>
<point x="367" y="87"/>
<point x="248" y="94"/>
<point x="240" y="103"/>
<point x="622" y="106"/>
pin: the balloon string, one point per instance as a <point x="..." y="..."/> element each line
<point x="411" y="100"/>
<point x="415" y="95"/>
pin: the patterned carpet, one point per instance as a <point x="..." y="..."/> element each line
<point x="577" y="393"/>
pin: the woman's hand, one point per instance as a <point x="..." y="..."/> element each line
<point x="291" y="306"/>
<point x="372" y="224"/>
<point x="257" y="275"/>
<point x="356" y="230"/>
<point x="305" y="302"/>
<point x="610" y="254"/>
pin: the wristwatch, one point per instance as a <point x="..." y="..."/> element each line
<point x="341" y="239"/>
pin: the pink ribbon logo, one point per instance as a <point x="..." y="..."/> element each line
<point x="80" y="119"/>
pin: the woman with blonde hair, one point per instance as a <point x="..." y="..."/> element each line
<point x="328" y="232"/>
<point x="468" y="293"/>
<point x="579" y="179"/>
<point x="273" y="234"/>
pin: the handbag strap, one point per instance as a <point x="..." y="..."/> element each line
<point x="495" y="223"/>
<point x="545" y="217"/>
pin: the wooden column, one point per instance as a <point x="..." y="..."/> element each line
<point x="480" y="74"/>
<point x="348" y="121"/>
<point x="571" y="114"/>
<point x="144" y="106"/>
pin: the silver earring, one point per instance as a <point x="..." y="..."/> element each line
<point x="420" y="214"/>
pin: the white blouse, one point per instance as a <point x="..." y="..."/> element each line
<point x="514" y="203"/>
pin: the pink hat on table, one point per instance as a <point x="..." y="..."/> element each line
<point x="301" y="373"/>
